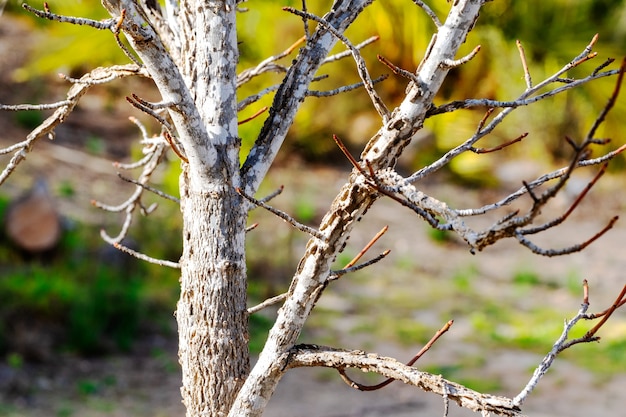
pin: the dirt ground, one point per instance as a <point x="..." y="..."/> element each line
<point x="147" y="385"/>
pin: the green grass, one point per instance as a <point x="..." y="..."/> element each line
<point x="463" y="371"/>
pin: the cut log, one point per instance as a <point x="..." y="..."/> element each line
<point x="32" y="221"/>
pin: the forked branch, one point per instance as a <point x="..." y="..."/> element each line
<point x="563" y="342"/>
<point x="63" y="110"/>
<point x="516" y="225"/>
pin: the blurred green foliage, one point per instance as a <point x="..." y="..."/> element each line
<point x="84" y="297"/>
<point x="67" y="48"/>
<point x="552" y="33"/>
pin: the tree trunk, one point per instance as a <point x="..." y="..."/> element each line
<point x="211" y="313"/>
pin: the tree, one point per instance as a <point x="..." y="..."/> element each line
<point x="189" y="50"/>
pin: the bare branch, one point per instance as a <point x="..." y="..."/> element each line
<point x="291" y="93"/>
<point x="46" y="14"/>
<point x="113" y="242"/>
<point x="415" y="358"/>
<point x="397" y="70"/>
<point x="22" y="107"/>
<point x="302" y="227"/>
<point x="522" y="55"/>
<point x="360" y="62"/>
<point x="149" y="188"/>
<point x="536" y="183"/>
<point x="313" y="355"/>
<point x="344" y="89"/>
<point x="524" y="99"/>
<point x="449" y="63"/>
<point x="429" y="12"/>
<point x="190" y="127"/>
<point x="75" y="93"/>
<point x="563" y="343"/>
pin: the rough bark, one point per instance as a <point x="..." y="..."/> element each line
<point x="201" y="91"/>
<point x="211" y="313"/>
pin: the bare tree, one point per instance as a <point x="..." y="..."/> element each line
<point x="189" y="50"/>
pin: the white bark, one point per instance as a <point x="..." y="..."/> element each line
<point x="201" y="88"/>
<point x="292" y="93"/>
<point x="313" y="270"/>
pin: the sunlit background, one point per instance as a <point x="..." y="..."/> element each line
<point x="80" y="298"/>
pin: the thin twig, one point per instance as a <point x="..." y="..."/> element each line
<point x="302" y="227"/>
<point x="252" y="227"/>
<point x="367" y="247"/>
<point x="361" y="66"/>
<point x="569" y="211"/>
<point x="254" y="116"/>
<point x="269" y="302"/>
<point x="563" y="343"/>
<point x="450" y="63"/>
<point x="46" y="14"/>
<point x="116" y="32"/>
<point x="611" y="102"/>
<point x="522" y="55"/>
<point x="619" y="301"/>
<point x="256" y="97"/>
<point x="139" y="104"/>
<point x="427" y="346"/>
<point x="268" y="64"/>
<point x="347" y="53"/>
<point x="570" y="249"/>
<point x="305" y="21"/>
<point x="334" y="275"/>
<point x="138" y="255"/>
<point x="429" y="12"/>
<point x="273" y="194"/>
<point x="149" y="188"/>
<point x="344" y="89"/>
<point x="397" y="70"/>
<point x="499" y="147"/>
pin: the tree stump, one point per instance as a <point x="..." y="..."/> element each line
<point x="32" y="222"/>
